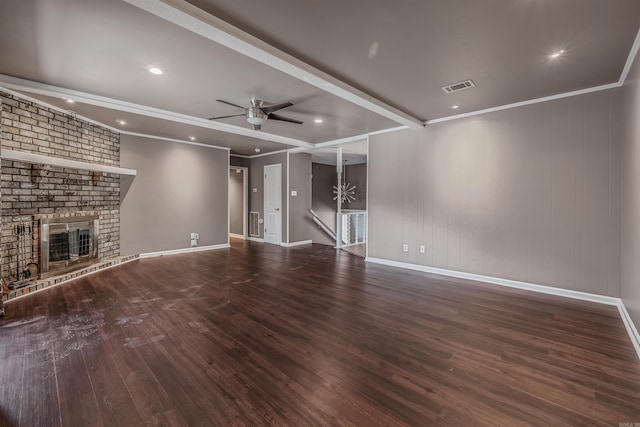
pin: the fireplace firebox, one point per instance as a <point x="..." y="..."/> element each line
<point x="67" y="243"/>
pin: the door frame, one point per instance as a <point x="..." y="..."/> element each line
<point x="245" y="203"/>
<point x="277" y="166"/>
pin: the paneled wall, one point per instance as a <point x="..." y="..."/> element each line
<point x="630" y="292"/>
<point x="530" y="194"/>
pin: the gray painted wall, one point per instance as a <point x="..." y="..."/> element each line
<point x="239" y="161"/>
<point x="630" y="289"/>
<point x="357" y="175"/>
<point x="236" y="211"/>
<point x="179" y="189"/>
<point x="324" y="178"/>
<point x="530" y="194"/>
<point x="300" y="181"/>
<point x="256" y="180"/>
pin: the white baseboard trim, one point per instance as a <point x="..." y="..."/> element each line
<point x="255" y="239"/>
<point x="585" y="296"/>
<point x="184" y="250"/>
<point x="237" y="236"/>
<point x="503" y="282"/>
<point x="630" y="326"/>
<point x="300" y="243"/>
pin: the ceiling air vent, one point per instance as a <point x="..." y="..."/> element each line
<point x="458" y="86"/>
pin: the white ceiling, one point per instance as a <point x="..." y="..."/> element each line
<point x="395" y="55"/>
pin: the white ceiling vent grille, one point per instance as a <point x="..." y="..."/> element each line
<point x="458" y="86"/>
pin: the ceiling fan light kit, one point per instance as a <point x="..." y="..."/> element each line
<point x="257" y="114"/>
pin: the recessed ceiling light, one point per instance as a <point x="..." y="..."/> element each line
<point x="70" y="101"/>
<point x="121" y="122"/>
<point x="155" y="70"/>
<point x="455" y="106"/>
<point x="257" y="150"/>
<point x="318" y="120"/>
<point x="556" y="54"/>
<point x="193" y="138"/>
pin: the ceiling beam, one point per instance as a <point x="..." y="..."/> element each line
<point x="143" y="110"/>
<point x="186" y="15"/>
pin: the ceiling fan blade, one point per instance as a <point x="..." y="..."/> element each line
<point x="273" y="108"/>
<point x="283" y="119"/>
<point x="256" y="127"/>
<point x="224" y="117"/>
<point x="229" y="103"/>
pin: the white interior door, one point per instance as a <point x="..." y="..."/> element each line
<point x="272" y="204"/>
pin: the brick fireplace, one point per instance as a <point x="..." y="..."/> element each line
<point x="32" y="191"/>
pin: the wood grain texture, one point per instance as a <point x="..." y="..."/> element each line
<point x="262" y="335"/>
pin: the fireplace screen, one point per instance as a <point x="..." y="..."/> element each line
<point x="68" y="243"/>
<point x="58" y="247"/>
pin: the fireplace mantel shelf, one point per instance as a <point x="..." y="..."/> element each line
<point x="21" y="156"/>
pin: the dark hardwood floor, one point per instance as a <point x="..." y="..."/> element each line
<point x="263" y="335"/>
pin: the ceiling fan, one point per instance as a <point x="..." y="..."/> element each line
<point x="257" y="114"/>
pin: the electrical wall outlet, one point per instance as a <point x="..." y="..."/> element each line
<point x="193" y="235"/>
<point x="422" y="249"/>
<point x="405" y="248"/>
<point x="197" y="236"/>
<point x="194" y="242"/>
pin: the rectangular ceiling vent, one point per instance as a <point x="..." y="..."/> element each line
<point x="458" y="86"/>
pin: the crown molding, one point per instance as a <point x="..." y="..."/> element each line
<point x="524" y="103"/>
<point x="179" y="141"/>
<point x="4" y="88"/>
<point x="630" y="59"/>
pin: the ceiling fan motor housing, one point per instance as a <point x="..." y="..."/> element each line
<point x="256" y="114"/>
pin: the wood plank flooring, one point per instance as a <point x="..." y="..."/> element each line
<point x="308" y="336"/>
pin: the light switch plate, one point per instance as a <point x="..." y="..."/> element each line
<point x="294" y="193"/>
<point x="255" y="190"/>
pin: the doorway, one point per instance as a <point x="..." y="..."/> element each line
<point x="339" y="196"/>
<point x="238" y="200"/>
<point x="273" y="204"/>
